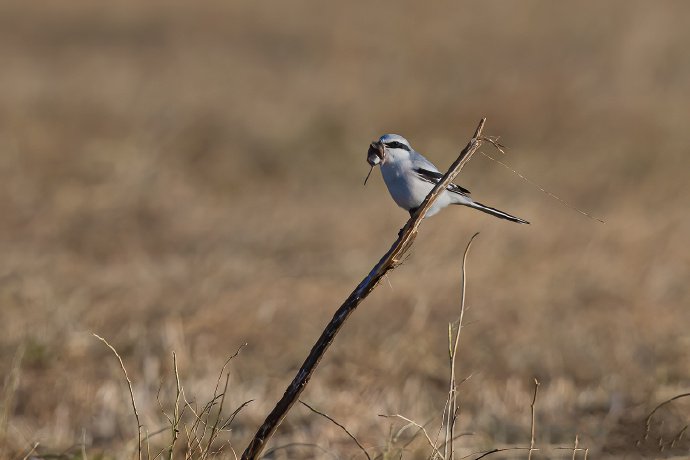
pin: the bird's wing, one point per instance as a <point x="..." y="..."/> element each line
<point x="435" y="176"/>
<point x="420" y="161"/>
<point x="427" y="171"/>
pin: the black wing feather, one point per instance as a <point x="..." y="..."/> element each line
<point x="434" y="177"/>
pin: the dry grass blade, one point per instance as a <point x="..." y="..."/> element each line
<point x="131" y="391"/>
<point x="575" y="449"/>
<point x="31" y="451"/>
<point x="494" y="451"/>
<point x="533" y="406"/>
<point x="10" y="385"/>
<point x="435" y="450"/>
<point x="405" y="239"/>
<point x="300" y="444"/>
<point x="648" y="420"/>
<point x="452" y="407"/>
<point x="148" y="446"/>
<point x="361" y="447"/>
<point x="214" y="428"/>
<point x="207" y="422"/>
<point x="234" y="414"/>
<point x="500" y="148"/>
<point x="176" y="414"/>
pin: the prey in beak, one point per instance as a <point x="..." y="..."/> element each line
<point x="375" y="156"/>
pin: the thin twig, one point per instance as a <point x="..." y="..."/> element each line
<point x="148" y="445"/>
<point x="405" y="239"/>
<point x="31" y="451"/>
<point x="577" y="441"/>
<point x="448" y="447"/>
<point x="648" y="421"/>
<point x="461" y="435"/>
<point x="413" y="437"/>
<point x="83" y="444"/>
<point x="300" y="444"/>
<point x="533" y="424"/>
<point x="193" y="441"/>
<point x="222" y="370"/>
<point x="537" y="186"/>
<point x="230" y="419"/>
<point x="339" y="425"/>
<point x="199" y="445"/>
<point x="493" y="451"/>
<point x="176" y="413"/>
<point x="9" y="390"/>
<point x="494" y="141"/>
<point x="423" y="430"/>
<point x="234" y="454"/>
<point x="131" y="392"/>
<point x="679" y="436"/>
<point x="214" y="429"/>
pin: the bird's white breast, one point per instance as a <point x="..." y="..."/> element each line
<point x="406" y="189"/>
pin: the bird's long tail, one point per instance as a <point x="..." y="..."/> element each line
<point x="494" y="212"/>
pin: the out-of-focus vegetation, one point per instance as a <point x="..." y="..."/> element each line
<point x="187" y="177"/>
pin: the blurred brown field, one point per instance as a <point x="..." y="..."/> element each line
<point x="187" y="177"/>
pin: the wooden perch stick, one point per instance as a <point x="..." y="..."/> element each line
<point x="388" y="261"/>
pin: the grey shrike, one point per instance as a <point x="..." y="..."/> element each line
<point x="410" y="177"/>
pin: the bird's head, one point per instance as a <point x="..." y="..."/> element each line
<point x="388" y="145"/>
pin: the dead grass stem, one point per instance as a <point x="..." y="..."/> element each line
<point x="131" y="391"/>
<point x="452" y="408"/>
<point x="340" y="425"/>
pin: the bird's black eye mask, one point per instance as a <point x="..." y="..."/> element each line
<point x="397" y="145"/>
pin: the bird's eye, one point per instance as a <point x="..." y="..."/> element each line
<point x="397" y="145"/>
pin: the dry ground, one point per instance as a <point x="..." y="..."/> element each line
<point x="187" y="177"/>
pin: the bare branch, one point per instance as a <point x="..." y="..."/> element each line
<point x="405" y="239"/>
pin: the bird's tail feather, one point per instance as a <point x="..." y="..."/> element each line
<point x="495" y="212"/>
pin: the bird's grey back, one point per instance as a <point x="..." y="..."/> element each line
<point x="420" y="161"/>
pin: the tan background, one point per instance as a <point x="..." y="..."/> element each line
<point x="187" y="177"/>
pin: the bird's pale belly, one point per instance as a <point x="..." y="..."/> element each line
<point x="408" y="192"/>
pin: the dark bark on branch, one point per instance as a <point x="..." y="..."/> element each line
<point x="388" y="261"/>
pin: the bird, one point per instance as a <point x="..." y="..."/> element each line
<point x="410" y="177"/>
